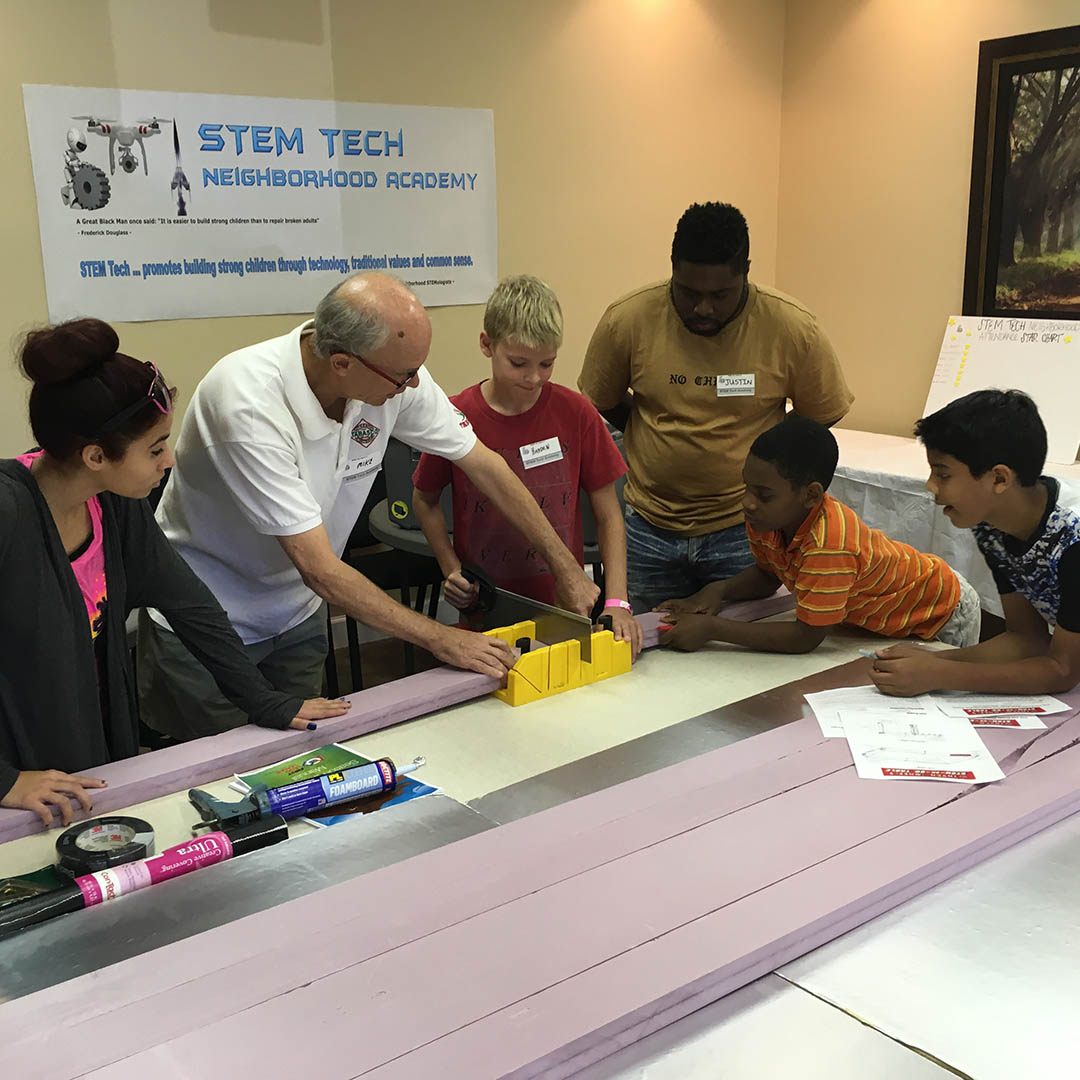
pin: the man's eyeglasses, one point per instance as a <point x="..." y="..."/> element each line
<point x="157" y="394"/>
<point x="398" y="383"/>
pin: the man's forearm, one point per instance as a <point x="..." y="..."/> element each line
<point x="343" y="587"/>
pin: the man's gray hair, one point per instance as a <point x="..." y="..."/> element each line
<point x="354" y="326"/>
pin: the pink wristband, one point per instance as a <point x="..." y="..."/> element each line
<point x="618" y="603"/>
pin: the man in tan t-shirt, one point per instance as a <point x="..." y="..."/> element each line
<point x="709" y="361"/>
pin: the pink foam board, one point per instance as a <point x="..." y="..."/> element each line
<point x="545" y="908"/>
<point x="573" y="1023"/>
<point x="167" y="991"/>
<point x="173" y="1058"/>
<point x="743" y="611"/>
<point x="176" y="768"/>
<point x="149" y="776"/>
<point x="511" y="952"/>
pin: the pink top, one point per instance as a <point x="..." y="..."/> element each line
<point x="89" y="566"/>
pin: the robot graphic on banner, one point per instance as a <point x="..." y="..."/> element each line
<point x="87" y="186"/>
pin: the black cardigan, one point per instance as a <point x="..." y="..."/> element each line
<point x="50" y="711"/>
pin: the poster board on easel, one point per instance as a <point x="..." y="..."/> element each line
<point x="1039" y="356"/>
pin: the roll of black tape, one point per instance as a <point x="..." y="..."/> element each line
<point x="97" y="845"/>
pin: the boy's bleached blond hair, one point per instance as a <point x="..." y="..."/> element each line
<point x="524" y="310"/>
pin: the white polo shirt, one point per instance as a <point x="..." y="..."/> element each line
<point x="257" y="458"/>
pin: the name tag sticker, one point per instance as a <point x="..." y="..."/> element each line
<point x="358" y="468"/>
<point x="541" y="453"/>
<point x="735" y="385"/>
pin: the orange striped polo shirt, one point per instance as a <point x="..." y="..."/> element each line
<point x="841" y="571"/>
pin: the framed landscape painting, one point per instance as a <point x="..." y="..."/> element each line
<point x="1023" y="245"/>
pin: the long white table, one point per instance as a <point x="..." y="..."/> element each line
<point x="483" y="745"/>
<point x="503" y="762"/>
<point x="486" y="754"/>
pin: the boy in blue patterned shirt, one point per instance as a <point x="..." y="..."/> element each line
<point x="986" y="452"/>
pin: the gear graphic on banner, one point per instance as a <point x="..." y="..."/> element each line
<point x="90" y="187"/>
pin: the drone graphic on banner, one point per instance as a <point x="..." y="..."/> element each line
<point x="254" y="206"/>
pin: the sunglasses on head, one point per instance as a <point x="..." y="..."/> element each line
<point x="157" y="394"/>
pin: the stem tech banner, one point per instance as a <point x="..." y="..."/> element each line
<point x="157" y="205"/>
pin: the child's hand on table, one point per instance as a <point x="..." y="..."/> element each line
<point x="706" y="601"/>
<point x="626" y="628"/>
<point x="906" y="671"/>
<point x="688" y="631"/>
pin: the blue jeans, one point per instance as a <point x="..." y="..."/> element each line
<point x="663" y="565"/>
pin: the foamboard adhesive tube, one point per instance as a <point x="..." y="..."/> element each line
<point x="292" y="800"/>
<point x="301" y="797"/>
<point x="93" y="889"/>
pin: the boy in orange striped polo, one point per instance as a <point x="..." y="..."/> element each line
<point x="838" y="568"/>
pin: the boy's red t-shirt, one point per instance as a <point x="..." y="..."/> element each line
<point x="590" y="460"/>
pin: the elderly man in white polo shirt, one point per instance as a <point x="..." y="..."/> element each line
<point x="277" y="453"/>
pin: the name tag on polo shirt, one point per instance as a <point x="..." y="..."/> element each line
<point x="541" y="453"/>
<point x="735" y="385"/>
<point x="358" y="468"/>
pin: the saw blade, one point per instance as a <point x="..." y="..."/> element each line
<point x="552" y="624"/>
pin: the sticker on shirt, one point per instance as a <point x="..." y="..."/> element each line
<point x="735" y="385"/>
<point x="358" y="468"/>
<point x="364" y="432"/>
<point x="541" y="453"/>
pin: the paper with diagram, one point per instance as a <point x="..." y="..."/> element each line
<point x="890" y="746"/>
<point x="830" y="707"/>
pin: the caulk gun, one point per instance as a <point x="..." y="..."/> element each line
<point x="295" y="800"/>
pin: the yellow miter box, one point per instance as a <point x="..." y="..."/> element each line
<point x="552" y="669"/>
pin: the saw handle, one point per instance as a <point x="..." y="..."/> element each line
<point x="485" y="599"/>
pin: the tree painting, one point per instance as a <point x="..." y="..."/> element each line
<point x="1038" y="257"/>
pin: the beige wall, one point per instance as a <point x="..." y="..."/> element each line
<point x="610" y="117"/>
<point x="875" y="166"/>
<point x="841" y="127"/>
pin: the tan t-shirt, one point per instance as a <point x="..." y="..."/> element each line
<point x="685" y="444"/>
